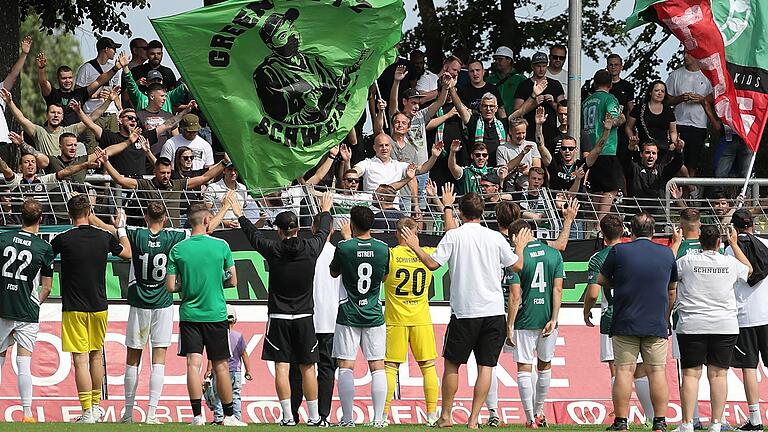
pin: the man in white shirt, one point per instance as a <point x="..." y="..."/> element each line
<point x="215" y="192"/>
<point x="89" y="72"/>
<point x="557" y="56"/>
<point x="201" y="149"/>
<point x="707" y="326"/>
<point x="475" y="256"/>
<point x="518" y="155"/>
<point x="427" y="80"/>
<point x="752" y="305"/>
<point x="690" y="92"/>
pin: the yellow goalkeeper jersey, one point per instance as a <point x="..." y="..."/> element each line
<point x="406" y="288"/>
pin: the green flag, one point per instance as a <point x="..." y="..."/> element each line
<point x="282" y="82"/>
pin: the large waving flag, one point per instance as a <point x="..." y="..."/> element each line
<point x="730" y="40"/>
<point x="282" y="81"/>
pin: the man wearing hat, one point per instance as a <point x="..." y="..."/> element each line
<point x="752" y="305"/>
<point x="90" y="72"/>
<point x="155" y="79"/>
<point x="505" y="77"/>
<point x="141" y="73"/>
<point x="201" y="149"/>
<point x="548" y="99"/>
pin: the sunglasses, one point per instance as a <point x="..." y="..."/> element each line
<point x="352" y="180"/>
<point x="556" y="57"/>
<point x="130" y="118"/>
<point x="484" y="155"/>
<point x="188" y="157"/>
<point x="568" y="149"/>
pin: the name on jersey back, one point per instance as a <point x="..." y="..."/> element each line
<point x="22" y="241"/>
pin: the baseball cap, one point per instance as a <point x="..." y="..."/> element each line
<point x="105" y="42"/>
<point x="190" y="123"/>
<point x="411" y="93"/>
<point x="491" y="177"/>
<point x="154" y="74"/>
<point x="504" y="51"/>
<point x="287" y="221"/>
<point x="742" y="218"/>
<point x="539" y="57"/>
<point x="231" y="314"/>
<point x="229" y="164"/>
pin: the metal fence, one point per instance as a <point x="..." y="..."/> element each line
<point x="262" y="205"/>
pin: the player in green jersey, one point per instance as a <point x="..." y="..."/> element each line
<point x="363" y="263"/>
<point x="534" y="306"/>
<point x="612" y="228"/>
<point x="205" y="266"/>
<point x="27" y="263"/>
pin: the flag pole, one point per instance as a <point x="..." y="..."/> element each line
<point x="746" y="179"/>
<point x="386" y="126"/>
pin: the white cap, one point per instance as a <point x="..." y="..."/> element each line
<point x="231" y="314"/>
<point x="503" y="51"/>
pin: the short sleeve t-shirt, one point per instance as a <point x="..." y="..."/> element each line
<point x="683" y="81"/>
<point x="237" y="343"/>
<point x="48" y="142"/>
<point x="87" y="74"/>
<point x="84" y="251"/>
<point x="655" y="126"/>
<point x="524" y="91"/>
<point x="542" y="265"/>
<point x="363" y="265"/>
<point x="151" y="120"/>
<point x="475" y="293"/>
<point x="375" y="172"/>
<point x="593" y="272"/>
<point x="201" y="262"/>
<point x="507" y="86"/>
<point x="751" y="301"/>
<point x="471" y="95"/>
<point x="132" y="161"/>
<point x="201" y="151"/>
<point x="26" y="258"/>
<point x="57" y="164"/>
<point x="417" y="137"/>
<point x="406" y="288"/>
<point x="146" y="279"/>
<point x="593" y="112"/>
<point x="561" y="176"/>
<point x="59" y="96"/>
<point x="149" y="190"/>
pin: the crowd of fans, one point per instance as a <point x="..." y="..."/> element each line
<point x="501" y="132"/>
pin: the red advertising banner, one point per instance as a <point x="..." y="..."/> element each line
<point x="580" y="392"/>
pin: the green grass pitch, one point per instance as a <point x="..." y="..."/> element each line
<point x="179" y="427"/>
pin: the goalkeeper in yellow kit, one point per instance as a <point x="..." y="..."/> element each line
<point x="408" y="319"/>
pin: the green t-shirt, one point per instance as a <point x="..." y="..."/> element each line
<point x="593" y="114"/>
<point x="689" y="246"/>
<point x="593" y="272"/>
<point x="507" y="86"/>
<point x="470" y="179"/>
<point x="201" y="261"/>
<point x="363" y="265"/>
<point x="541" y="267"/>
<point x="25" y="257"/>
<point x="146" y="281"/>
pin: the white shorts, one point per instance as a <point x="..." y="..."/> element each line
<point x="155" y="325"/>
<point x="23" y="333"/>
<point x="372" y="340"/>
<point x="606" y="349"/>
<point x="530" y="345"/>
<point x="675" y="346"/>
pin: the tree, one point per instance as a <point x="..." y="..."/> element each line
<point x="60" y="49"/>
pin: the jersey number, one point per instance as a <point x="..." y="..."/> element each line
<point x="24" y="257"/>
<point x="416" y="287"/>
<point x="364" y="273"/>
<point x="590" y="113"/>
<point x="538" y="278"/>
<point x="158" y="266"/>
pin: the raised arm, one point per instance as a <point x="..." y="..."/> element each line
<point x="437" y="121"/>
<point x="25" y="123"/>
<point x="546" y="156"/>
<point x="105" y="77"/>
<point x="437" y="150"/>
<point x="42" y="76"/>
<point x="453" y="167"/>
<point x="13" y="74"/>
<point x="213" y="172"/>
<point x="448" y="83"/>
<point x="324" y="167"/>
<point x="400" y="74"/>
<point x="86" y="120"/>
<point x="530" y="103"/>
<point x="464" y="113"/>
<point x="171" y="122"/>
<point x="569" y="215"/>
<point x="378" y="119"/>
<point x="593" y="154"/>
<point x="412" y="240"/>
<point x="733" y="241"/>
<point x="447" y="200"/>
<point x="410" y="175"/>
<point x="126" y="182"/>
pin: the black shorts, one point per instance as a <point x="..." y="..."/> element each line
<point x="706" y="349"/>
<point x="213" y="336"/>
<point x="484" y="336"/>
<point x="694" y="144"/>
<point x="750" y="346"/>
<point x="606" y="174"/>
<point x="291" y="341"/>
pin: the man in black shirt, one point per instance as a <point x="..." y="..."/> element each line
<point x="471" y="93"/>
<point x="647" y="176"/>
<point x="290" y="306"/>
<point x="565" y="172"/>
<point x="154" y="57"/>
<point x="548" y="99"/>
<point x="66" y="90"/>
<point x="484" y="127"/>
<point x="83" y="251"/>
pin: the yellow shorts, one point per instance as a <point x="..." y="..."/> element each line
<point x="421" y="339"/>
<point x="83" y="332"/>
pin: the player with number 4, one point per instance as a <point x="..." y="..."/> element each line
<point x="363" y="263"/>
<point x="534" y="306"/>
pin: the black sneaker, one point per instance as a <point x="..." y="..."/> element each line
<point x="321" y="423"/>
<point x="659" y="426"/>
<point x="617" y="425"/>
<point x="748" y="426"/>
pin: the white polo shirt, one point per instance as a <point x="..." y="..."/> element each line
<point x="375" y="172"/>
<point x="476" y="257"/>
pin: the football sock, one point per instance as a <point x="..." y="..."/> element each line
<point x="228" y="409"/>
<point x="525" y="387"/>
<point x="156" y="380"/>
<point x="196" y="408"/>
<point x="285" y="404"/>
<point x="754" y="414"/>
<point x="25" y="383"/>
<point x="346" y="384"/>
<point x="391" y="372"/>
<point x="378" y="393"/>
<point x="431" y="387"/>
<point x="492" y="400"/>
<point x="85" y="400"/>
<point x="130" y="382"/>
<point x="643" y="391"/>
<point x="696" y="412"/>
<point x="95" y="397"/>
<point x="314" y="415"/>
<point x="542" y="389"/>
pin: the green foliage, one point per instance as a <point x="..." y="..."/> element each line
<point x="60" y="49"/>
<point x="68" y="15"/>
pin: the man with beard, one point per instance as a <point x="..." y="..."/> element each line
<point x="67" y="90"/>
<point x="468" y="177"/>
<point x="154" y="55"/>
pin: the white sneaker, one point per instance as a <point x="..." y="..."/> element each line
<point x="197" y="421"/>
<point x="152" y="420"/>
<point x="98" y="413"/>
<point x="87" y="417"/>
<point x="126" y="418"/>
<point x="233" y="421"/>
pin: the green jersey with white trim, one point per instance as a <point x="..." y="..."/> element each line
<point x="149" y="261"/>
<point x="363" y="265"/>
<point x="541" y="267"/>
<point x="25" y="257"/>
<point x="689" y="246"/>
<point x="606" y="303"/>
